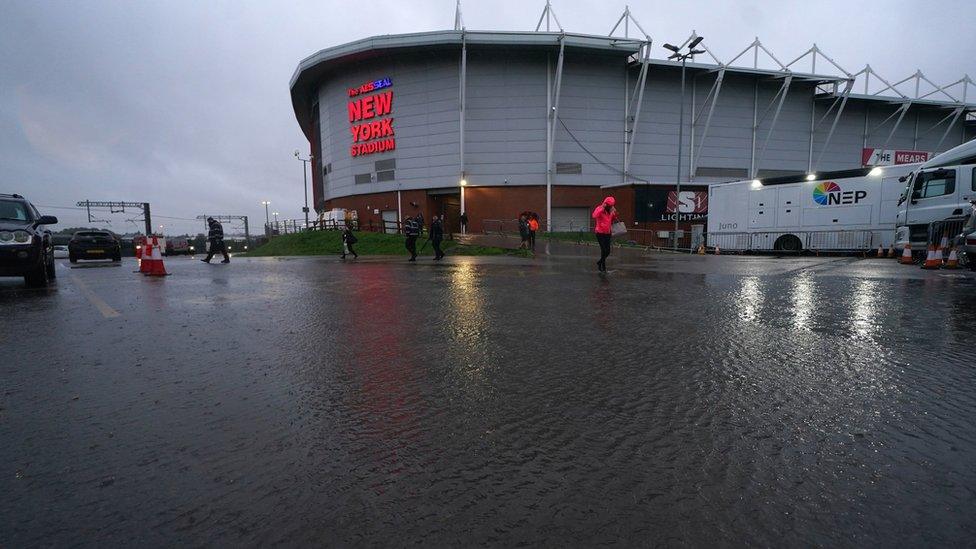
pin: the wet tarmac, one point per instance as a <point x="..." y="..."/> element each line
<point x="678" y="400"/>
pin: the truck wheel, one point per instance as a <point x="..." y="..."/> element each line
<point x="788" y="243"/>
<point x="38" y="277"/>
<point x="72" y="259"/>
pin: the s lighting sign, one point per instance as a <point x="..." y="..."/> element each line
<point x="661" y="204"/>
<point x="370" y="123"/>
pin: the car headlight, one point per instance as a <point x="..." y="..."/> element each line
<point x="15" y="237"/>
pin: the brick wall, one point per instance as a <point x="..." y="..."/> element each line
<point x="500" y="202"/>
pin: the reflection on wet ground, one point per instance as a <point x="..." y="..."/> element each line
<point x="490" y="402"/>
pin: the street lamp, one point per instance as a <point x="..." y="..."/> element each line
<point x="267" y="219"/>
<point x="677" y="55"/>
<point x="305" y="162"/>
<point x="275" y="214"/>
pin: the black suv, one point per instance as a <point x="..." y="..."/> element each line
<point x="26" y="247"/>
<point x="94" y="245"/>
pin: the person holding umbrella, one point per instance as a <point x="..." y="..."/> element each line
<point x="523" y="225"/>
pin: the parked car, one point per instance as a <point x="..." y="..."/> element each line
<point x="60" y="252"/>
<point x="966" y="242"/>
<point x="26" y="247"/>
<point x="94" y="245"/>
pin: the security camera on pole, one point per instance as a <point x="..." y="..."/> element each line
<point x="677" y="55"/>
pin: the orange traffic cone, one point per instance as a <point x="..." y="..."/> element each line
<point x="717" y="251"/>
<point x="156" y="267"/>
<point x="880" y="251"/>
<point x="144" y="261"/>
<point x="701" y="249"/>
<point x="931" y="261"/>
<point x="891" y="250"/>
<point x="906" y="255"/>
<point x="953" y="262"/>
<point x="944" y="243"/>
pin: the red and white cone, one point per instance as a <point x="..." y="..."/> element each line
<point x="156" y="267"/>
<point x="717" y="251"/>
<point x="891" y="250"/>
<point x="931" y="261"/>
<point x="906" y="255"/>
<point x="880" y="251"/>
<point x="145" y="258"/>
<point x="953" y="262"/>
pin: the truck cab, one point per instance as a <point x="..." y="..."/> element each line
<point x="939" y="189"/>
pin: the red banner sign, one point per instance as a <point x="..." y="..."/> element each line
<point x="891" y="157"/>
<point x="370" y="135"/>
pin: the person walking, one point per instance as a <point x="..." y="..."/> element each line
<point x="411" y="228"/>
<point x="533" y="228"/>
<point x="348" y="239"/>
<point x="215" y="236"/>
<point x="523" y="224"/>
<point x="436" y="236"/>
<point x="464" y="222"/>
<point x="605" y="215"/>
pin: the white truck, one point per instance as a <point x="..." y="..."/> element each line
<point x="940" y="189"/>
<point x="843" y="210"/>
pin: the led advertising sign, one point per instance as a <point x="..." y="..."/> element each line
<point x="370" y="124"/>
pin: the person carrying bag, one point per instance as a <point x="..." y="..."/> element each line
<point x="606" y="218"/>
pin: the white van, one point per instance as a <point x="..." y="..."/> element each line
<point x="843" y="210"/>
<point x="939" y="189"/>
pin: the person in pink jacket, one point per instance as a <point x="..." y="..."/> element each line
<point x="604" y="215"/>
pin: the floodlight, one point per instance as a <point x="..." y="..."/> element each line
<point x="695" y="42"/>
<point x="672" y="48"/>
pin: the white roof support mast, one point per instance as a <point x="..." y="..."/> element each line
<point x="632" y="115"/>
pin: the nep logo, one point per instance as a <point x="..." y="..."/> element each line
<point x="829" y="193"/>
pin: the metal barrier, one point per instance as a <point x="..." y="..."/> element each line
<point x="661" y="240"/>
<point x="796" y="241"/>
<point x="951" y="228"/>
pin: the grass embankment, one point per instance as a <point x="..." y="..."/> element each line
<point x="330" y="243"/>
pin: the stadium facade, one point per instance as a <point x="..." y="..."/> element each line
<point x="495" y="123"/>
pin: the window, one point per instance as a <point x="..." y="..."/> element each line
<point x="364" y="178"/>
<point x="385" y="175"/>
<point x="327" y="169"/>
<point x="383" y="165"/>
<point x="11" y="209"/>
<point x="569" y="168"/>
<point x="934" y="183"/>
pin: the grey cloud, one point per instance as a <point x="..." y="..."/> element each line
<point x="185" y="104"/>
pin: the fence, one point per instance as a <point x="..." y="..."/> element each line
<point x="291" y="226"/>
<point x="951" y="228"/>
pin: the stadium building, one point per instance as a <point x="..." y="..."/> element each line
<point x="495" y="123"/>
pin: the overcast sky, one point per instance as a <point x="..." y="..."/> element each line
<point x="185" y="103"/>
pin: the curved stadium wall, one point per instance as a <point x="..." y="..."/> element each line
<point x="384" y="117"/>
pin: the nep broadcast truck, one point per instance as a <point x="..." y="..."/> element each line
<point x="843" y="210"/>
<point x="846" y="210"/>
